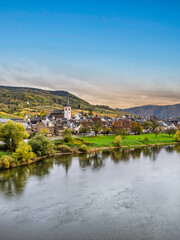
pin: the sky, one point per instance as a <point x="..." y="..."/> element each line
<point x="120" y="53"/>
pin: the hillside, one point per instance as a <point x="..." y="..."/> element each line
<point x="19" y="101"/>
<point x="159" y="111"/>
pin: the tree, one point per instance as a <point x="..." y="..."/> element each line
<point x="116" y="125"/>
<point x="136" y="128"/>
<point x="106" y="130"/>
<point x="6" y="162"/>
<point x="23" y="153"/>
<point x="126" y="125"/>
<point x="171" y="131"/>
<point x="147" y="125"/>
<point x="12" y="134"/>
<point x="117" y="141"/>
<point x="97" y="125"/>
<point x="43" y="113"/>
<point x="44" y="131"/>
<point x="41" y="145"/>
<point x="67" y="134"/>
<point x="154" y="121"/>
<point x="177" y="136"/>
<point x="85" y="127"/>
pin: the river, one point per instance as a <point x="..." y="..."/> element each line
<point x="129" y="194"/>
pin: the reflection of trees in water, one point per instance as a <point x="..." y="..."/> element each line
<point x="120" y="155"/>
<point x="13" y="181"/>
<point x="177" y="148"/>
<point x="152" y="152"/>
<point x="94" y="160"/>
<point x="65" y="161"/>
<point x="136" y="153"/>
<point x="170" y="149"/>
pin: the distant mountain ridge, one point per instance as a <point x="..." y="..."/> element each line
<point x="159" y="111"/>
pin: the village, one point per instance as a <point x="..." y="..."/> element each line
<point x="53" y="124"/>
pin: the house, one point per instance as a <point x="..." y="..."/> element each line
<point x="59" y="128"/>
<point x="45" y="124"/>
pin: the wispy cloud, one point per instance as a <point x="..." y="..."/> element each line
<point x="122" y="95"/>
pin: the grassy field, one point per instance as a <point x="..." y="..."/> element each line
<point x="130" y="140"/>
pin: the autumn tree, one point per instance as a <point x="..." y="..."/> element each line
<point x="23" y="153"/>
<point x="136" y="128"/>
<point x="85" y="127"/>
<point x="116" y="125"/>
<point x="43" y="113"/>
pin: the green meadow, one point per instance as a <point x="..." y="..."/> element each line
<point x="129" y="140"/>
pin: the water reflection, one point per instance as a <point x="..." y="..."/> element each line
<point x="94" y="160"/>
<point x="13" y="181"/>
<point x="65" y="162"/>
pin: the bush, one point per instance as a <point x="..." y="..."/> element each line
<point x="77" y="142"/>
<point x="117" y="141"/>
<point x="23" y="153"/>
<point x="64" y="148"/>
<point x="146" y="139"/>
<point x="6" y="162"/>
<point x="79" y="139"/>
<point x="177" y="136"/>
<point x="68" y="139"/>
<point x="83" y="148"/>
<point x="41" y="145"/>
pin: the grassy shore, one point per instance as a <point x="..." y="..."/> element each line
<point x="130" y="140"/>
<point x="105" y="142"/>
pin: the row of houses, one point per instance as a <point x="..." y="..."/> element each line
<point x="55" y="123"/>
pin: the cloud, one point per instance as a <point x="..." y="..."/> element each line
<point x="123" y="94"/>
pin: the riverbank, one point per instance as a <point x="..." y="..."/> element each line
<point x="104" y="142"/>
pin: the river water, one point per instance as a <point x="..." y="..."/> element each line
<point x="130" y="194"/>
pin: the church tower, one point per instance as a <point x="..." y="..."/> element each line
<point x="67" y="109"/>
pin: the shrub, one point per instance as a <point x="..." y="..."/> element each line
<point x="41" y="145"/>
<point x="117" y="141"/>
<point x="77" y="142"/>
<point x="87" y="142"/>
<point x="79" y="139"/>
<point x="177" y="136"/>
<point x="64" y="148"/>
<point x="68" y="138"/>
<point x="6" y="162"/>
<point x="83" y="148"/>
<point x="146" y="139"/>
<point x="23" y="153"/>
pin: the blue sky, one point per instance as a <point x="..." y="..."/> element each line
<point x="118" y="53"/>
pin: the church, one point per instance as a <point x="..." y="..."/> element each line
<point x="60" y="114"/>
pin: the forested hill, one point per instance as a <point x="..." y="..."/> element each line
<point x="31" y="101"/>
<point x="21" y="95"/>
<point x="159" y="111"/>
